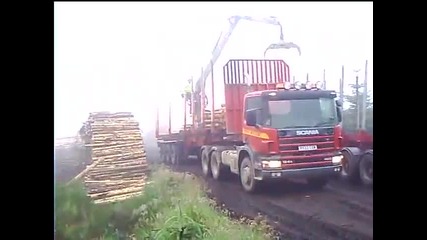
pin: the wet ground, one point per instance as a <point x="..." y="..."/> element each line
<point x="339" y="211"/>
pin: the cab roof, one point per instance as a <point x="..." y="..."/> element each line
<point x="294" y="94"/>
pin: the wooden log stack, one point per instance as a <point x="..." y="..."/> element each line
<point x="119" y="167"/>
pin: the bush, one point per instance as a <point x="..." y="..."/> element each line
<point x="173" y="206"/>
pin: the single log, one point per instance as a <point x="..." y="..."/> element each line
<point x="115" y="169"/>
<point x="123" y="158"/>
<point x="111" y="182"/>
<point x="124" y="161"/>
<point x="117" y="192"/>
<point x="115" y="176"/>
<point x="117" y="138"/>
<point x="95" y="189"/>
<point x="112" y="146"/>
<point x="140" y="163"/>
<point x="109" y="125"/>
<point x="117" y="198"/>
<point x="107" y="153"/>
<point x="119" y="180"/>
<point x="84" y="171"/>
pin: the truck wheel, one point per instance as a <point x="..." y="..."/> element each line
<point x="205" y="164"/>
<point x="174" y="160"/>
<point x="366" y="169"/>
<point x="163" y="158"/>
<point x="350" y="169"/>
<point x="163" y="155"/>
<point x="218" y="169"/>
<point x="247" y="180"/>
<point x="173" y="155"/>
<point x="317" y="183"/>
<point x="168" y="154"/>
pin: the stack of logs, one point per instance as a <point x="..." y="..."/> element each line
<point x="218" y="119"/>
<point x="119" y="167"/>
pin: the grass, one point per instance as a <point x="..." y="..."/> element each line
<point x="174" y="207"/>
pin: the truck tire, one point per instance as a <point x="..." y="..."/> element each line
<point x="350" y="168"/>
<point x="168" y="154"/>
<point x="173" y="154"/>
<point x="317" y="183"/>
<point x="206" y="168"/>
<point x="218" y="169"/>
<point x="247" y="179"/>
<point x="163" y="154"/>
<point x="163" y="158"/>
<point x="366" y="169"/>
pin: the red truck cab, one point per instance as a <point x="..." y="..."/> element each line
<point x="287" y="129"/>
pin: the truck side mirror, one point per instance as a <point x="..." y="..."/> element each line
<point x="339" y="114"/>
<point x="251" y="117"/>
<point x="339" y="104"/>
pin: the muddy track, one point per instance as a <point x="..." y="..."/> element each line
<point x="339" y="211"/>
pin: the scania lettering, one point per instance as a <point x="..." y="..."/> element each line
<point x="307" y="132"/>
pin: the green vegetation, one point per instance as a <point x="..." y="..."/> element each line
<point x="173" y="206"/>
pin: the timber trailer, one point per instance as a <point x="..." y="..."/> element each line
<point x="268" y="128"/>
<point x="358" y="151"/>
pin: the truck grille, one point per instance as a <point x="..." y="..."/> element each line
<point x="289" y="147"/>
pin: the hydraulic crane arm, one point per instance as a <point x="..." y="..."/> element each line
<point x="224" y="37"/>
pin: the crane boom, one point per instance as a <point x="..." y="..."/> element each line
<point x="199" y="87"/>
<point x="223" y="40"/>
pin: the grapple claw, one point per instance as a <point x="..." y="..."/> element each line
<point x="285" y="45"/>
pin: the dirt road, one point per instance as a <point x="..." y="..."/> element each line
<point x="339" y="211"/>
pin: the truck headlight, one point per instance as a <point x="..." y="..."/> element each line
<point x="337" y="159"/>
<point x="272" y="164"/>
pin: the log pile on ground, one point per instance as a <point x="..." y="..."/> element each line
<point x="119" y="167"/>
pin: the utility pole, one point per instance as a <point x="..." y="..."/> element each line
<point x="365" y="96"/>
<point x="342" y="85"/>
<point x="357" y="100"/>
<point x="324" y="79"/>
<point x="201" y="109"/>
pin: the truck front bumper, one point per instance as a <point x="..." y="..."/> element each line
<point x="313" y="172"/>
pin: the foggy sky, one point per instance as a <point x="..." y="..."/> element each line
<point x="126" y="56"/>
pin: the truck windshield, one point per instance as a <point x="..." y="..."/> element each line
<point x="301" y="113"/>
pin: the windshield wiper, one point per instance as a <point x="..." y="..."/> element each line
<point x="297" y="126"/>
<point x="324" y="123"/>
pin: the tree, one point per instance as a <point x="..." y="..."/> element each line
<point x="350" y="113"/>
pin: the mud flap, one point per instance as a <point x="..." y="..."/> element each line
<point x="258" y="175"/>
<point x="366" y="168"/>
